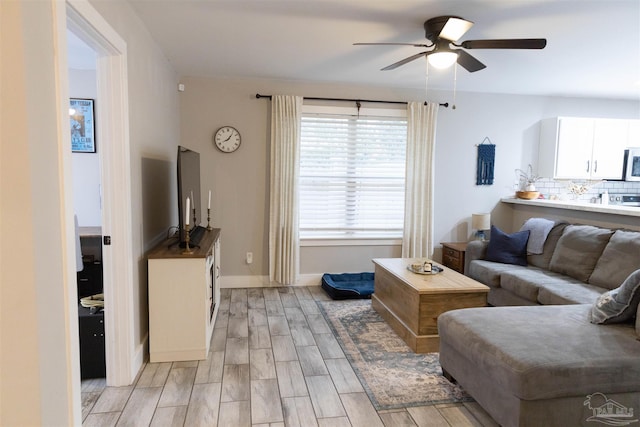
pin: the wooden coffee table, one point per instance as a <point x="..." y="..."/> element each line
<point x="411" y="302"/>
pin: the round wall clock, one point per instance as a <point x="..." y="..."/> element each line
<point x="227" y="139"/>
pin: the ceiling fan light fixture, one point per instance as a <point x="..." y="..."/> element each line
<point x="442" y="60"/>
<point x="455" y="28"/>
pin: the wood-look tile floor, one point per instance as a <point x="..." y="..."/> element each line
<point x="273" y="362"/>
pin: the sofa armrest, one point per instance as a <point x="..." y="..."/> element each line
<point x="476" y="249"/>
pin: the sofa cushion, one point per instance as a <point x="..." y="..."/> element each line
<point x="619" y="259"/>
<point x="568" y="292"/>
<point x="488" y="272"/>
<point x="507" y="248"/>
<point x="526" y="282"/>
<point x="620" y="304"/>
<point x="544" y="352"/>
<point x="578" y="250"/>
<point x="542" y="260"/>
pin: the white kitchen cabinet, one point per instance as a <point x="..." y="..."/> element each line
<point x="610" y="138"/>
<point x="584" y="148"/>
<point x="184" y="299"/>
<point x="634" y="133"/>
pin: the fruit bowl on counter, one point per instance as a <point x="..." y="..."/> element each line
<point x="528" y="195"/>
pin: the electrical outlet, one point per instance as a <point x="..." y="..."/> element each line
<point x="249" y="257"/>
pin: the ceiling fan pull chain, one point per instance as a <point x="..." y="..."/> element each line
<point x="455" y="84"/>
<point x="426" y="82"/>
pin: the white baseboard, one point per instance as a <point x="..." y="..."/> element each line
<point x="309" y="279"/>
<point x="140" y="356"/>
<point x="263" y="281"/>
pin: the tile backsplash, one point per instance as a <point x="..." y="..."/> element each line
<point x="559" y="189"/>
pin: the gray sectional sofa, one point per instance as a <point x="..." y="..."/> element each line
<point x="537" y="359"/>
<point x="589" y="261"/>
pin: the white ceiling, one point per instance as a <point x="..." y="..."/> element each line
<point x="593" y="47"/>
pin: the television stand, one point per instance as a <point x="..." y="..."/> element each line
<point x="184" y="299"/>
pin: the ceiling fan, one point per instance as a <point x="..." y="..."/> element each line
<point x="443" y="32"/>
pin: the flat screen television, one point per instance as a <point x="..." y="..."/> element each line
<point x="188" y="186"/>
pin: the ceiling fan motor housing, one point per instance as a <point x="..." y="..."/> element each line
<point x="433" y="27"/>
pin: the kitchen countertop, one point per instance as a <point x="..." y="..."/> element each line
<point x="577" y="206"/>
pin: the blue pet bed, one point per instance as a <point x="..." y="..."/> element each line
<point x="348" y="285"/>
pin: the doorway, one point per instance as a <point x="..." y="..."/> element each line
<point x="112" y="128"/>
<point x="87" y="205"/>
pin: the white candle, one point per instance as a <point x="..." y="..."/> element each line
<point x="194" y="200"/>
<point x="187" y="214"/>
<point x="209" y="205"/>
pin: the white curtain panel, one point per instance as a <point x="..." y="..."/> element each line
<point x="417" y="240"/>
<point x="284" y="245"/>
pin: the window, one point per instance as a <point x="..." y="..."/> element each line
<point x="352" y="175"/>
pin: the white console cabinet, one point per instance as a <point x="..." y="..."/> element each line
<point x="184" y="299"/>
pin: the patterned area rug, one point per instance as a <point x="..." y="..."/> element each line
<point x="392" y="375"/>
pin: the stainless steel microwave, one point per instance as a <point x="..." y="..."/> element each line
<point x="632" y="164"/>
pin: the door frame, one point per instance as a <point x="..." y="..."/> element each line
<point x="112" y="117"/>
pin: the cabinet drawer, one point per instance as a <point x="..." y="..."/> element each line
<point x="452" y="262"/>
<point x="451" y="253"/>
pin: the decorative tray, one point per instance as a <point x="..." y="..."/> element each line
<point x="434" y="270"/>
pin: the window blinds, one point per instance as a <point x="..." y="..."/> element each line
<point x="352" y="173"/>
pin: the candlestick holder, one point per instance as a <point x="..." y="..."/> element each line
<point x="187" y="250"/>
<point x="194" y="216"/>
<point x="209" y="228"/>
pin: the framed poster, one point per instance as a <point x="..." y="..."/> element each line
<point x="83" y="131"/>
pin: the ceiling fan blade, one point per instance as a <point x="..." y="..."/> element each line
<point x="392" y="44"/>
<point x="505" y="44"/>
<point x="404" y="61"/>
<point x="468" y="62"/>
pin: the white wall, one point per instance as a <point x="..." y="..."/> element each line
<point x="86" y="166"/>
<point x="38" y="384"/>
<point x="513" y="124"/>
<point x="239" y="181"/>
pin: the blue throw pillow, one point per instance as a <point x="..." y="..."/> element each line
<point x="507" y="248"/>
<point x="620" y="304"/>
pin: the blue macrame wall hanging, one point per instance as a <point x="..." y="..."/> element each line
<point x="486" y="162"/>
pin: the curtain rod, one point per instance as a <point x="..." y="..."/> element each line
<point x="258" y="96"/>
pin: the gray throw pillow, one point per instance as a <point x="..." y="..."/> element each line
<point x="620" y="258"/>
<point x="620" y="304"/>
<point x="578" y="251"/>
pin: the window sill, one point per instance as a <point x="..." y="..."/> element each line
<point x="351" y="242"/>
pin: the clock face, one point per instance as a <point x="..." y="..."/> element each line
<point x="227" y="139"/>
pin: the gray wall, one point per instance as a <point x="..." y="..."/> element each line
<point x="520" y="213"/>
<point x="239" y="181"/>
<point x="154" y="129"/>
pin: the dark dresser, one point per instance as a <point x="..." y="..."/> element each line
<point x="92" y="359"/>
